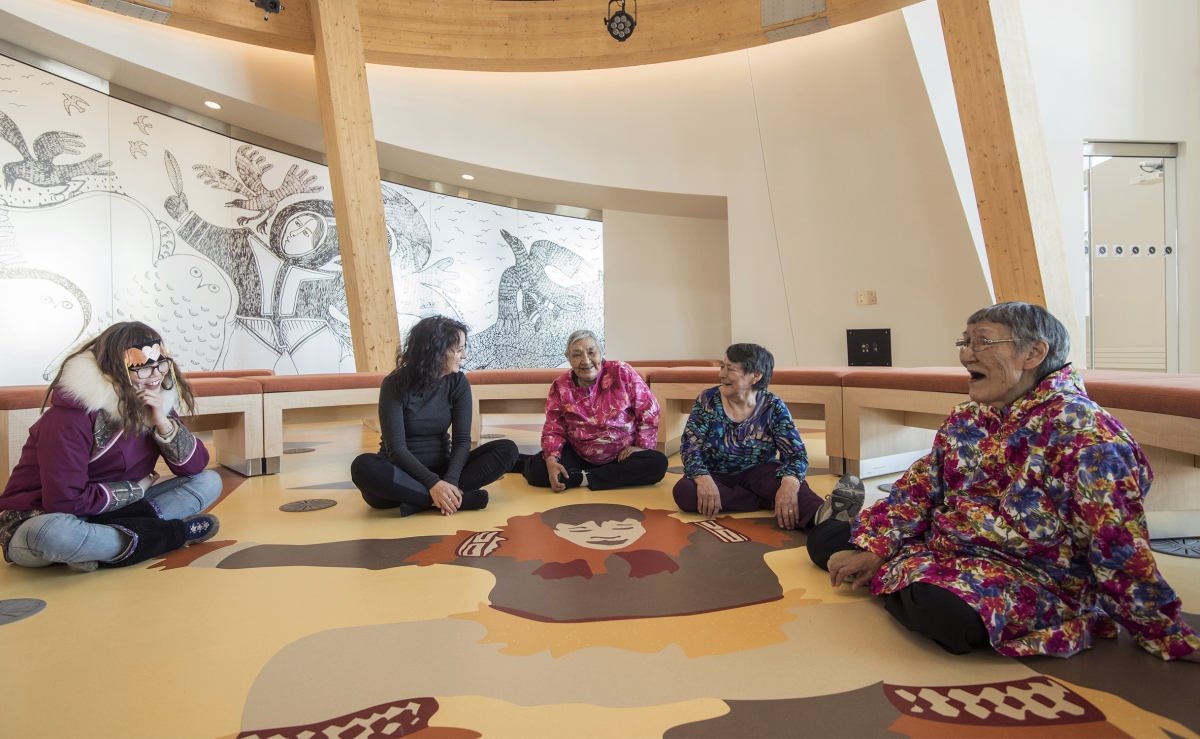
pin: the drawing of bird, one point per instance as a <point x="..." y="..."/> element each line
<point x="137" y="147"/>
<point x="47" y="83"/>
<point x="74" y="102"/>
<point x="7" y="90"/>
<point x="27" y="76"/>
<point x="143" y="125"/>
<point x="251" y="166"/>
<point x="39" y="168"/>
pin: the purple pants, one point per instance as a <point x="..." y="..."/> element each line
<point x="751" y="490"/>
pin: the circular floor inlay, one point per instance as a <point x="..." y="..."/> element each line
<point x="491" y="436"/>
<point x="675" y="470"/>
<point x="885" y="487"/>
<point x="1186" y="547"/>
<point x="16" y="609"/>
<point x="299" y="450"/>
<point x="302" y="506"/>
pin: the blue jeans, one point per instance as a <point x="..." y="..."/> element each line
<point x="61" y="537"/>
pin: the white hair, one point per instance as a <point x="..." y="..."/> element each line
<point x="578" y="336"/>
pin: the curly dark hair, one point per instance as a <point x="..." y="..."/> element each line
<point x="109" y="349"/>
<point x="419" y="362"/>
<point x="753" y="358"/>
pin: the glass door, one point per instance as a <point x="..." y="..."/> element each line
<point x="1132" y="255"/>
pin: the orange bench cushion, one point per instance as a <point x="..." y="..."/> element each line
<point x="924" y="379"/>
<point x="1150" y="392"/>
<point x="21" y="397"/>
<point x="230" y="373"/>
<point x="705" y="375"/>
<point x="674" y="363"/>
<point x="303" y="383"/>
<point x="209" y="387"/>
<point x="514" y="376"/>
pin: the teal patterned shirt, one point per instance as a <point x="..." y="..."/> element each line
<point x="714" y="443"/>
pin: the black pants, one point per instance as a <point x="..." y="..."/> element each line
<point x="640" y="468"/>
<point x="384" y="485"/>
<point x="926" y="609"/>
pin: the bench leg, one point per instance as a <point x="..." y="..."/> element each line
<point x="239" y="445"/>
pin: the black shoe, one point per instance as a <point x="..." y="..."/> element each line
<point x="573" y="478"/>
<point x="476" y="500"/>
<point x="407" y="509"/>
<point x="201" y="528"/>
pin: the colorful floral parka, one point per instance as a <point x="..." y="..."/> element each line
<point x="601" y="420"/>
<point x="1032" y="515"/>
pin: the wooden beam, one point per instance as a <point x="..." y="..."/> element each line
<point x="1010" y="167"/>
<point x="354" y="176"/>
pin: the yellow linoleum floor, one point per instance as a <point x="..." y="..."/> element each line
<point x="351" y="622"/>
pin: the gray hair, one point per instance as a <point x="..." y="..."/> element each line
<point x="580" y="335"/>
<point x="1030" y="324"/>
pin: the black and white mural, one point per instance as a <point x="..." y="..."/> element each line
<point x="111" y="212"/>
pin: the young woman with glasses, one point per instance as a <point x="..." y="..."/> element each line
<point x="85" y="492"/>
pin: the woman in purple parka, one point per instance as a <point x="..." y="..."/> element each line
<point x="85" y="492"/>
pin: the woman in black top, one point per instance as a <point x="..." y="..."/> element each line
<point x="419" y="466"/>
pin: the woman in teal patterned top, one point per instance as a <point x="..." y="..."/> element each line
<point x="733" y="437"/>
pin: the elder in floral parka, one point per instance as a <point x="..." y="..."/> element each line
<point x="1023" y="529"/>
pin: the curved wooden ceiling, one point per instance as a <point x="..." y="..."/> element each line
<point x="516" y="35"/>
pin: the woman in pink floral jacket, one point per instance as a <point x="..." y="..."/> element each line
<point x="601" y="425"/>
<point x="1023" y="529"/>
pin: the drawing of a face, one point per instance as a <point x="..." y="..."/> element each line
<point x="303" y="234"/>
<point x="607" y="535"/>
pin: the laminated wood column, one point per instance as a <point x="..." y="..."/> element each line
<point x="1010" y="167"/>
<point x="354" y="175"/>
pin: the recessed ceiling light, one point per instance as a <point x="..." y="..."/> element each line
<point x="468" y="177"/>
<point x="211" y="104"/>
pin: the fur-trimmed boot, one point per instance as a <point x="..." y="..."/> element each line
<point x="151" y="538"/>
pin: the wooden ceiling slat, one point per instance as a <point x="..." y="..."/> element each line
<point x="513" y="35"/>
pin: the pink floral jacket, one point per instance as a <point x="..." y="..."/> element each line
<point x="1033" y="516"/>
<point x="600" y="421"/>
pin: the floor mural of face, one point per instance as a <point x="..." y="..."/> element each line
<point x="231" y="250"/>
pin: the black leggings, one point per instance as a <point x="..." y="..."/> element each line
<point x="384" y="485"/>
<point x="926" y="609"/>
<point x="640" y="468"/>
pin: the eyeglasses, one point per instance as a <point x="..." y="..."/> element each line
<point x="978" y="345"/>
<point x="146" y="371"/>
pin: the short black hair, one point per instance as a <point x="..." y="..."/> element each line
<point x="597" y="513"/>
<point x="753" y="358"/>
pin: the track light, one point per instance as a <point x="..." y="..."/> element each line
<point x="620" y="24"/>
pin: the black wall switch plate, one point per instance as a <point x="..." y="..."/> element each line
<point x="869" y="347"/>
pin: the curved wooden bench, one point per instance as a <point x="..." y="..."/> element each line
<point x="347" y="396"/>
<point x="229" y="407"/>
<point x="891" y="414"/>
<point x="811" y="393"/>
<point x="508" y="391"/>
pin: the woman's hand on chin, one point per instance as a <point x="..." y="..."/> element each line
<point x="446" y="497"/>
<point x="152" y="403"/>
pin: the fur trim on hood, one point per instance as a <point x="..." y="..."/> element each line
<point x="84" y="383"/>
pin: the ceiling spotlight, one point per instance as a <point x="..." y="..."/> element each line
<point x="268" y="6"/>
<point x="211" y="104"/>
<point x="468" y="177"/>
<point x="620" y="24"/>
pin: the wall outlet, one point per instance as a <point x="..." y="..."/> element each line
<point x="866" y="297"/>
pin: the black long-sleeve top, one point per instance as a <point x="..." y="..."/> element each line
<point x="416" y="428"/>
